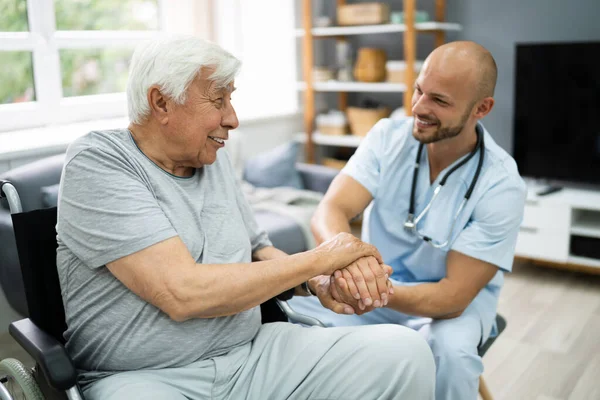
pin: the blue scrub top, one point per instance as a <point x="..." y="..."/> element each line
<point x="486" y="229"/>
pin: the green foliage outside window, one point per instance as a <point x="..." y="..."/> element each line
<point x="83" y="71"/>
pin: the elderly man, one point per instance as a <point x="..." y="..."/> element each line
<point x="447" y="203"/>
<point x="156" y="244"/>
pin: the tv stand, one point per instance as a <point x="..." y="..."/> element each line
<point x="561" y="229"/>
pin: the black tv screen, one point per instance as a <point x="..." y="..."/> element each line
<point x="556" y="131"/>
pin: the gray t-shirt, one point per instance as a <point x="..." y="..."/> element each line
<point x="114" y="201"/>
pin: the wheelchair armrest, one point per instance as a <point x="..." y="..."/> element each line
<point x="297" y="317"/>
<point x="48" y="353"/>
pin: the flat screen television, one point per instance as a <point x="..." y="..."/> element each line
<point x="556" y="132"/>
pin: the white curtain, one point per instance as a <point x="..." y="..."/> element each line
<point x="261" y="34"/>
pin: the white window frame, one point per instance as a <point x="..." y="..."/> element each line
<point x="44" y="41"/>
<point x="217" y="20"/>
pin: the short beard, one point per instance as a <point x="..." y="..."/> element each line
<point x="443" y="132"/>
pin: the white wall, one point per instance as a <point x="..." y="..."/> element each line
<point x="499" y="25"/>
<point x="259" y="136"/>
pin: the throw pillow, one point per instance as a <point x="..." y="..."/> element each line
<point x="275" y="168"/>
<point x="50" y="195"/>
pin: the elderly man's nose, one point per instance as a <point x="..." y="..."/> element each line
<point x="230" y="119"/>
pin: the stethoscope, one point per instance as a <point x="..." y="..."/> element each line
<point x="411" y="223"/>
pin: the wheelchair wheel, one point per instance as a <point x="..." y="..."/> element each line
<point x="18" y="381"/>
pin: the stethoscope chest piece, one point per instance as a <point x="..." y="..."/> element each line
<point x="409" y="224"/>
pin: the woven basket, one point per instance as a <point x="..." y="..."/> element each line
<point x="332" y="130"/>
<point x="334" y="163"/>
<point x="361" y="120"/>
<point x="363" y="14"/>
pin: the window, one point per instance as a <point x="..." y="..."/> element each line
<point x="68" y="60"/>
<point x="17" y="82"/>
<point x="261" y="34"/>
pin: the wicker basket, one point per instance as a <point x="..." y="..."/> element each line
<point x="332" y="130"/>
<point x="333" y="122"/>
<point x="363" y="14"/>
<point x="334" y="162"/>
<point x="361" y="120"/>
<point x="396" y="70"/>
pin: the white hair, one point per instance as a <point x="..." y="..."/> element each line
<point x="173" y="63"/>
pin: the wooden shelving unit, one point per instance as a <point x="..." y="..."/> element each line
<point x="335" y="86"/>
<point x="409" y="30"/>
<point x="384" y="28"/>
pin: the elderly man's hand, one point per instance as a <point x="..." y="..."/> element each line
<point x="364" y="283"/>
<point x="342" y="250"/>
<point x="322" y="287"/>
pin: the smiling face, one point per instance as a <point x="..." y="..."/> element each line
<point x="197" y="129"/>
<point x="444" y="100"/>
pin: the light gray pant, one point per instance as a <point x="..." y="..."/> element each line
<point x="287" y="361"/>
<point x="453" y="341"/>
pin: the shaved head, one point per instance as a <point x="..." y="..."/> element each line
<point x="454" y="89"/>
<point x="470" y="61"/>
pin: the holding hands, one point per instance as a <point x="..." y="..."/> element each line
<point x="364" y="285"/>
<point x="355" y="279"/>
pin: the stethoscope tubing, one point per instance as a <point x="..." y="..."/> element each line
<point x="412" y="222"/>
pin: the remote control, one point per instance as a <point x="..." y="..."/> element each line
<point x="549" y="190"/>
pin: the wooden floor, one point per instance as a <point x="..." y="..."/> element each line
<point x="10" y="349"/>
<point x="550" y="349"/>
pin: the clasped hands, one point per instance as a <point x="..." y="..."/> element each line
<point x="358" y="288"/>
<point x="354" y="278"/>
<point x="364" y="285"/>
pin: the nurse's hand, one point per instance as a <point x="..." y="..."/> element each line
<point x="366" y="282"/>
<point x="344" y="297"/>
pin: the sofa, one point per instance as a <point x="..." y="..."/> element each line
<point x="36" y="184"/>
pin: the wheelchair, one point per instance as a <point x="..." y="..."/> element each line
<point x="54" y="376"/>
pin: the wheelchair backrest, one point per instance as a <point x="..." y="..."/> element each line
<point x="35" y="234"/>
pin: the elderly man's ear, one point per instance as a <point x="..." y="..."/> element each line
<point x="158" y="105"/>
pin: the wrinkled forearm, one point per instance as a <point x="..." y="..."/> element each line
<point x="273" y="253"/>
<point x="208" y="291"/>
<point x="268" y="253"/>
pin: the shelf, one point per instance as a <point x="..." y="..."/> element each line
<point x="385" y="28"/>
<point x="585" y="261"/>
<point x="330" y="140"/>
<point x="336" y="86"/>
<point x="586" y="223"/>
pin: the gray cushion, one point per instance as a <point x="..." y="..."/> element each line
<point x="50" y="195"/>
<point x="30" y="178"/>
<point x="283" y="231"/>
<point x="274" y="168"/>
<point x="316" y="177"/>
